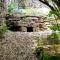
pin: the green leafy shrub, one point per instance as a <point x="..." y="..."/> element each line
<point x="55" y="27"/>
<point x="55" y="13"/>
<point x="11" y="7"/>
<point x="41" y="55"/>
<point x="3" y="29"/>
<point x="50" y="57"/>
<point x="54" y="38"/>
<point x="40" y="41"/>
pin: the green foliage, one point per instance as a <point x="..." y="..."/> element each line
<point x="58" y="36"/>
<point x="40" y="42"/>
<point x="41" y="55"/>
<point x="55" y="13"/>
<point x="11" y="7"/>
<point x="54" y="38"/>
<point x="3" y="29"/>
<point x="50" y="57"/>
<point x="55" y="27"/>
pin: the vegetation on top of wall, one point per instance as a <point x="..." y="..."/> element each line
<point x="11" y="7"/>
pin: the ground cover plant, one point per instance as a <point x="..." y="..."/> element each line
<point x="3" y="30"/>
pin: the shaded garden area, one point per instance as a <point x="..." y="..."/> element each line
<point x="28" y="32"/>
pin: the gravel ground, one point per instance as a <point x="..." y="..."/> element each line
<point x="19" y="45"/>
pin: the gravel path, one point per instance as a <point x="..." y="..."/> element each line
<point x="19" y="45"/>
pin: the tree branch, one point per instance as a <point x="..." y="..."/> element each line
<point x="46" y="3"/>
